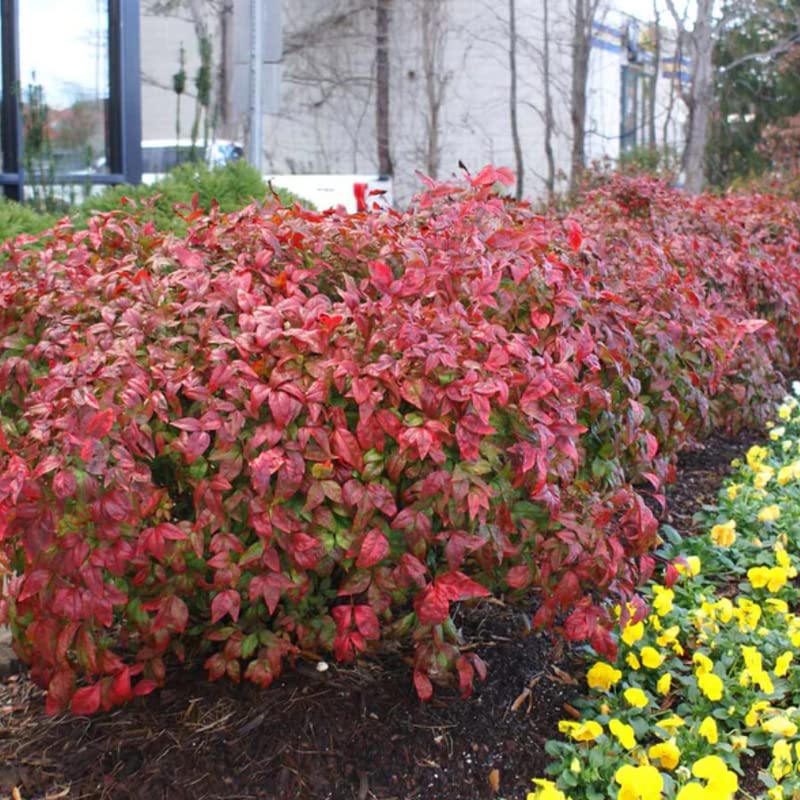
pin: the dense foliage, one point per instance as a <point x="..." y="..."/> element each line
<point x="757" y="86"/>
<point x="290" y="433"/>
<point x="232" y="186"/>
<point x="16" y="219"/>
<point x="709" y="678"/>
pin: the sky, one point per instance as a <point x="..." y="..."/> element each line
<point x="643" y="9"/>
<point x="59" y="42"/>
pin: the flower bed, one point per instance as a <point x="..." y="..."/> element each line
<point x="706" y="674"/>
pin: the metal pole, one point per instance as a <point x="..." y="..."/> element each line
<point x="256" y="143"/>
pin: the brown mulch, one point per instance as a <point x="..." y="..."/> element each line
<point x="354" y="733"/>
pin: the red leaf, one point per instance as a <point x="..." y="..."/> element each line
<point x="457" y="586"/>
<point x="381" y="275"/>
<point x="33" y="583"/>
<point x="227" y="602"/>
<point x="270" y="587"/>
<point x="346" y="447"/>
<point x="283" y="407"/>
<point x="671" y="575"/>
<point x="121" y="687"/>
<point x="144" y="686"/>
<point x="519" y="577"/>
<point x="423" y="685"/>
<point x="263" y="466"/>
<point x="432" y="605"/>
<point x="64" y="484"/>
<point x="173" y="615"/>
<point x="651" y="444"/>
<point x="59" y="691"/>
<point x="101" y="423"/>
<point x="86" y="700"/>
<point x="574" y="234"/>
<point x="342" y="616"/>
<point x="466" y="673"/>
<point x="490" y="175"/>
<point x="374" y="548"/>
<point x="366" y="622"/>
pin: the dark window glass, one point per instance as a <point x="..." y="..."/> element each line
<point x="64" y="86"/>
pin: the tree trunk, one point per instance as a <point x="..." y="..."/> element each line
<point x="549" y="120"/>
<point x="512" y="64"/>
<point x="702" y="96"/>
<point x="581" y="45"/>
<point x="651" y="109"/>
<point x="432" y="18"/>
<point x="382" y="17"/>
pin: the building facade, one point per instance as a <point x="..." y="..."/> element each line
<point x="449" y="85"/>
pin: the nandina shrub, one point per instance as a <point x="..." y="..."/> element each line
<point x="291" y="433"/>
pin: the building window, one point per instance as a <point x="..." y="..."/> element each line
<point x="71" y="116"/>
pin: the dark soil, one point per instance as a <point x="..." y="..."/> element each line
<point x="355" y="733"/>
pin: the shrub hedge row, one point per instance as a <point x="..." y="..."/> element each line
<point x="289" y="433"/>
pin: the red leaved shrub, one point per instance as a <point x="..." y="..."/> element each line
<point x="292" y="432"/>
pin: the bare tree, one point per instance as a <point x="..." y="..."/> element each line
<point x="700" y="44"/>
<point x="549" y="119"/>
<point x="382" y="85"/>
<point x="583" y="17"/>
<point x="651" y="107"/>
<point x="434" y="24"/>
<point x="512" y="100"/>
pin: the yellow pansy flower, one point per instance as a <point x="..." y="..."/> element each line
<point x="784" y="411"/>
<point x="785" y="474"/>
<point x="711" y="686"/>
<point x="747" y="614"/>
<point x="738" y="742"/>
<point x="724" y="534"/>
<point x="781" y="725"/>
<point x="784" y="560"/>
<point x="636" y="697"/>
<point x="639" y="783"/>
<point x="671" y="723"/>
<point x="623" y="732"/>
<point x="664" y="683"/>
<point x="703" y="664"/>
<point x="782" y="663"/>
<point x="602" y="676"/>
<point x="755" y="456"/>
<point x="708" y="730"/>
<point x="763" y="477"/>
<point x="546" y="790"/>
<point x="754" y="714"/>
<point x="721" y="782"/>
<point x="632" y="660"/>
<point x="769" y="513"/>
<point x="775" y="793"/>
<point x="773" y="578"/>
<point x="581" y="731"/>
<point x="663" y="600"/>
<point x="655" y="622"/>
<point x="777" y="433"/>
<point x="632" y="633"/>
<point x="651" y="658"/>
<point x="733" y="490"/>
<point x="776" y="604"/>
<point x="782" y="763"/>
<point x="667" y="753"/>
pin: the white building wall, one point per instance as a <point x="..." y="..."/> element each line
<point x="326" y="119"/>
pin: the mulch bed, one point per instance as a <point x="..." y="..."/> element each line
<point x="354" y="733"/>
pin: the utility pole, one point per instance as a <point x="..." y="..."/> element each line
<point x="256" y="111"/>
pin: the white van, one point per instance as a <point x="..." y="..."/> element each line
<point x="159" y="156"/>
